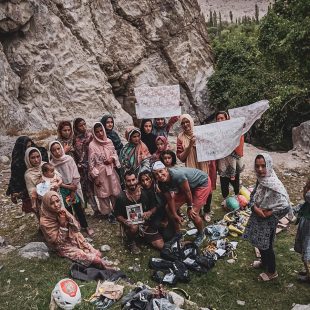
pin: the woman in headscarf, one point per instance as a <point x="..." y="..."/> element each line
<point x="186" y="153"/>
<point x="147" y="137"/>
<point x="230" y="167"/>
<point x="65" y="137"/>
<point x="134" y="151"/>
<point x="161" y="128"/>
<point x="62" y="233"/>
<point x="162" y="145"/>
<point x="17" y="186"/>
<point x="108" y="123"/>
<point x="33" y="175"/>
<point x="269" y="203"/>
<point x="103" y="160"/>
<point x="81" y="140"/>
<point x="70" y="189"/>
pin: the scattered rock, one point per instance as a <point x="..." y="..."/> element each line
<point x="231" y="261"/>
<point x="7" y="249"/>
<point x="301" y="136"/>
<point x="34" y="250"/>
<point x="300" y="307"/>
<point x="240" y="302"/>
<point x="5" y="160"/>
<point x="2" y="241"/>
<point x="105" y="248"/>
<point x="290" y="285"/>
<point x="177" y="299"/>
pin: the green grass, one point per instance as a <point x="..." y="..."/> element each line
<point x="220" y="288"/>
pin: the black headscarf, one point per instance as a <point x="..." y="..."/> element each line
<point x="18" y="165"/>
<point x="112" y="134"/>
<point x="148" y="138"/>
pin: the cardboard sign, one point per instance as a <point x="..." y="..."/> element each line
<point x="135" y="213"/>
<point x="161" y="101"/>
<point x="218" y="140"/>
<point x="251" y="113"/>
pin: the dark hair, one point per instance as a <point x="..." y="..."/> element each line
<point x="47" y="167"/>
<point x="33" y="151"/>
<point x="222" y="112"/>
<point x="97" y="125"/>
<point x="145" y="172"/>
<point x="62" y="124"/>
<point x="76" y="122"/>
<point x="259" y="156"/>
<point x="56" y="142"/>
<point x="171" y="153"/>
<point x="129" y="172"/>
<point x="144" y="121"/>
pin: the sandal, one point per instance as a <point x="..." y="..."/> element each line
<point x="207" y="217"/>
<point x="257" y="264"/>
<point x="265" y="277"/>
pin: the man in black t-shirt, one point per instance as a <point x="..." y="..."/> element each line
<point x="134" y="195"/>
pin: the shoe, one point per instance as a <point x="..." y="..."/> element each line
<point x="199" y="239"/>
<point x="134" y="249"/>
<point x="112" y="219"/>
<point x="207" y="217"/>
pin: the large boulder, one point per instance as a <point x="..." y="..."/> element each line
<point x="63" y="59"/>
<point x="301" y="136"/>
<point x="34" y="250"/>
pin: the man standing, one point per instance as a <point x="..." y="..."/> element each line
<point x="134" y="195"/>
<point x="184" y="185"/>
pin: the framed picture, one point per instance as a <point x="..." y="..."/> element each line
<point x="135" y="213"/>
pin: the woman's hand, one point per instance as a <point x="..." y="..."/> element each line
<point x="109" y="161"/>
<point x="267" y="213"/>
<point x="62" y="218"/>
<point x="97" y="182"/>
<point x="67" y="148"/>
<point x="192" y="141"/>
<point x="259" y="212"/>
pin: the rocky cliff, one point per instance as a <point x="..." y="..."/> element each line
<point x="61" y="59"/>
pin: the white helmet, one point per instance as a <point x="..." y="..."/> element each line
<point x="66" y="294"/>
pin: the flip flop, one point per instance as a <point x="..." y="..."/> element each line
<point x="257" y="264"/>
<point x="207" y="217"/>
<point x="265" y="278"/>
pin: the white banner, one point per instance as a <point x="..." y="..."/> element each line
<point x="161" y="101"/>
<point x="218" y="140"/>
<point x="251" y="112"/>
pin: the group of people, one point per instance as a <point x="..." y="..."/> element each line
<point x="93" y="166"/>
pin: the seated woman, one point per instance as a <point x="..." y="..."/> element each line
<point x="33" y="175"/>
<point x="70" y="189"/>
<point x="269" y="203"/>
<point x="65" y="137"/>
<point x="108" y="123"/>
<point x="62" y="233"/>
<point x="159" y="219"/>
<point x="186" y="153"/>
<point x="230" y="167"/>
<point x="17" y="187"/>
<point x="168" y="158"/>
<point x="134" y="151"/>
<point x="147" y="137"/>
<point x="103" y="160"/>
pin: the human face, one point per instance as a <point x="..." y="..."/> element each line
<point x="99" y="133"/>
<point x="160" y="145"/>
<point x="135" y="138"/>
<point x="50" y="173"/>
<point x="66" y="132"/>
<point x="147" y="127"/>
<point x="55" y="203"/>
<point x="35" y="159"/>
<point x="260" y="167"/>
<point x="186" y="125"/>
<point x="167" y="158"/>
<point x="109" y="124"/>
<point x="28" y="145"/>
<point x="221" y="118"/>
<point x="56" y="150"/>
<point x="162" y="175"/>
<point x="160" y="122"/>
<point x="146" y="181"/>
<point x="81" y="126"/>
<point x="131" y="182"/>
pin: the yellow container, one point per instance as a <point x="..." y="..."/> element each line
<point x="245" y="192"/>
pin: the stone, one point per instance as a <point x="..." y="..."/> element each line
<point x="5" y="160"/>
<point x="300" y="307"/>
<point x="231" y="261"/>
<point x="241" y="302"/>
<point x="177" y="299"/>
<point x="34" y="250"/>
<point x="301" y="136"/>
<point x="6" y="249"/>
<point x="2" y="241"/>
<point x="105" y="248"/>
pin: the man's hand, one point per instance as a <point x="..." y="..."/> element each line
<point x="178" y="219"/>
<point x="147" y="215"/>
<point x="191" y="213"/>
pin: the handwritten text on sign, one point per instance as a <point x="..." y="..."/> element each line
<point x="161" y="101"/>
<point x="251" y="112"/>
<point x="218" y="140"/>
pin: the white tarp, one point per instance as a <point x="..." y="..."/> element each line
<point x="251" y="112"/>
<point x="218" y="140"/>
<point x="161" y="101"/>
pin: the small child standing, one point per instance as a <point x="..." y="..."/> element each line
<point x="302" y="241"/>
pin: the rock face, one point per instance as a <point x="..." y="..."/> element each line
<point x="63" y="59"/>
<point x="301" y="136"/>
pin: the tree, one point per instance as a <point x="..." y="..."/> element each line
<point x="210" y="19"/>
<point x="231" y="16"/>
<point x="256" y="13"/>
<point x="220" y="21"/>
<point x="214" y="19"/>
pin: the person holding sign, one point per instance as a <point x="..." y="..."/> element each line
<point x="184" y="185"/>
<point x="134" y="151"/>
<point x="186" y="153"/>
<point x="132" y="196"/>
<point x="230" y="167"/>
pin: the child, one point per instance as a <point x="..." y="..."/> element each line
<point x="161" y="145"/>
<point x="168" y="158"/>
<point x="302" y="241"/>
